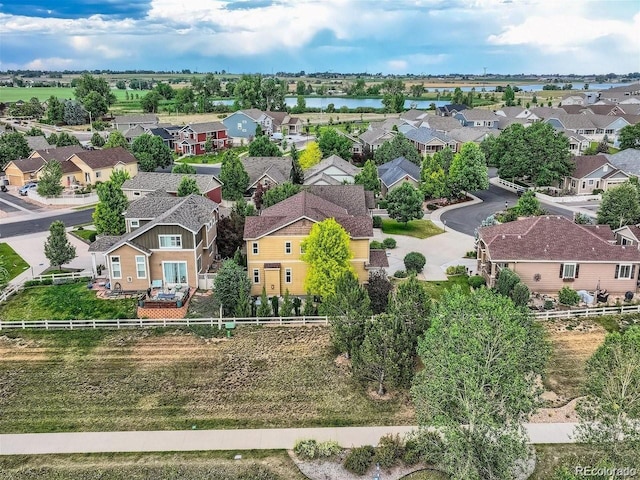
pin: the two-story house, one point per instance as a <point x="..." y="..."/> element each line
<point x="146" y="182"/>
<point x="273" y="239"/>
<point x="169" y="240"/>
<point x="477" y="117"/>
<point x="193" y="137"/>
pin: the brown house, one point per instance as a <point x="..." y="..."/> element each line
<point x="169" y="241"/>
<point x="551" y="252"/>
<point x="593" y="172"/>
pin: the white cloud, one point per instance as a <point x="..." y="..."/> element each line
<point x="397" y="66"/>
<point x="52" y="63"/>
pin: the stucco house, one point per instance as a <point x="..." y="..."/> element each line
<point x="429" y="141"/>
<point x="269" y="171"/>
<point x="97" y="165"/>
<point x="550" y="252"/>
<point x="18" y="172"/>
<point x="333" y="170"/>
<point x="273" y="239"/>
<point x="592" y="172"/>
<point x="169" y="241"/>
<point x="146" y="182"/>
<point x="396" y="172"/>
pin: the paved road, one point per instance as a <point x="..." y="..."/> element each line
<point x="201" y="169"/>
<point x="6" y="198"/>
<point x="41" y="223"/>
<point x="190" y="440"/>
<point x="467" y="219"/>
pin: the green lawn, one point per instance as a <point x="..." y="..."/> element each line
<point x="414" y="228"/>
<point x="64" y="302"/>
<point x="85" y="233"/>
<point x="13" y="94"/>
<point x="212" y="158"/>
<point x="437" y="288"/>
<point x="13" y="262"/>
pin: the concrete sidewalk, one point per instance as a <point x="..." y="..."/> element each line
<point x="192" y="440"/>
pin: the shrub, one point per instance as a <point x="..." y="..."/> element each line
<point x="470" y="254"/>
<point x="507" y="279"/>
<point x="92" y="237"/>
<point x="80" y="228"/>
<point x="477" y="281"/>
<point x="359" y="459"/>
<point x="456" y="270"/>
<point x="414" y="262"/>
<point x="382" y="204"/>
<point x="377" y="222"/>
<point x="568" y="296"/>
<point x="306" y="449"/>
<point x="389" y="242"/>
<point x="520" y="294"/>
<point x="32" y="283"/>
<point x="548" y="304"/>
<point x="328" y="449"/>
<point x="375" y="245"/>
<point x="400" y="274"/>
<point x="390" y="449"/>
<point x="597" y="191"/>
<point x="432" y="206"/>
<point x="424" y="447"/>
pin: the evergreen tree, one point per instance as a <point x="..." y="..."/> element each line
<point x="57" y="247"/>
<point x="264" y="309"/>
<point x="231" y="286"/>
<point x="368" y="177"/>
<point x="108" y="215"/>
<point x="287" y="305"/>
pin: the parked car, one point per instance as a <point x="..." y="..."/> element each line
<point x="25" y="189"/>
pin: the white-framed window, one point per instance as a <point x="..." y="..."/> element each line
<point x="116" y="269"/>
<point x="98" y="174"/>
<point x="256" y="276"/>
<point x="254" y="248"/>
<point x="625" y="272"/>
<point x="174" y="272"/>
<point x="199" y="263"/>
<point x="590" y="181"/>
<point x="141" y="266"/>
<point x="135" y="222"/>
<point x="170" y="241"/>
<point x="287" y="247"/>
<point x="626" y="241"/>
<point x="569" y="270"/>
<point x="287" y="275"/>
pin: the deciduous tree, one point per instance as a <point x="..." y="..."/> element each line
<point x="379" y="288"/>
<point x="231" y="284"/>
<point x="97" y="140"/>
<point x="263" y="147"/>
<point x="399" y="146"/>
<point x="310" y="156"/>
<point x="63" y="139"/>
<point x="187" y="186"/>
<point x="327" y="253"/>
<point x="107" y="216"/>
<point x="279" y="193"/>
<point x="234" y="178"/>
<point x="332" y="143"/>
<point x="184" y="168"/>
<point x="368" y="177"/>
<point x="468" y="171"/>
<point x="13" y="146"/>
<point x="49" y="184"/>
<point x="153" y="147"/>
<point x="404" y="203"/>
<point x="433" y="179"/>
<point x="116" y="139"/>
<point x="528" y="205"/>
<point x="95" y="103"/>
<point x="57" y="247"/>
<point x="629" y="136"/>
<point x="620" y="206"/>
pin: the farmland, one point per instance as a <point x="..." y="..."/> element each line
<point x="43" y="93"/>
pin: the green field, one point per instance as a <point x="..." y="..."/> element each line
<point x="11" y="261"/>
<point x="13" y="94"/>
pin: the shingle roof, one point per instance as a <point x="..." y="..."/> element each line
<point x="573" y="109"/>
<point x="585" y="164"/>
<point x="277" y="168"/>
<point x="627" y="160"/>
<point x="392" y="172"/>
<point x="479" y="114"/>
<point x="511" y="112"/>
<point x="206" y="127"/>
<point x="426" y="135"/>
<point x="108" y="157"/>
<point x="574" y="121"/>
<point x="350" y="197"/>
<point x="504" y="122"/>
<point x="413" y="115"/>
<point x="550" y="238"/>
<point x="388" y="124"/>
<point x="375" y="135"/>
<point x="59" y="153"/>
<point x="134" y="132"/>
<point x="38" y="143"/>
<point x="313" y="207"/>
<point x="103" y="243"/>
<point x="253" y="113"/>
<point x="169" y="182"/>
<point x="458" y="107"/>
<point x="332" y="161"/>
<point x="161" y="132"/>
<point x="443" y="124"/>
<point x="28" y="165"/>
<point x="470" y="134"/>
<point x="378" y="259"/>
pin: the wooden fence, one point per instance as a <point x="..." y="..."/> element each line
<point x="219" y="322"/>
<point x="587" y="312"/>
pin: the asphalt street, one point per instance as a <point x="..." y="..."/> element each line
<point x="467" y="219"/>
<point x="41" y="224"/>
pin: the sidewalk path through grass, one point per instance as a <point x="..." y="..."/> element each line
<point x="192" y="440"/>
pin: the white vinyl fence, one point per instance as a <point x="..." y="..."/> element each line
<point x="587" y="312"/>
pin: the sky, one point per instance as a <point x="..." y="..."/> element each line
<point x="373" y="36"/>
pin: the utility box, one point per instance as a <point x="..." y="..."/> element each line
<point x="229" y="326"/>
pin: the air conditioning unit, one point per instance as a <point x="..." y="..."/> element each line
<point x="218" y="257"/>
<point x="129" y="279"/>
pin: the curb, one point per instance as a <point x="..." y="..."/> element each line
<point x="436" y="214"/>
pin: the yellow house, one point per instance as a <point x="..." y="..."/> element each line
<point x="97" y="165"/>
<point x="273" y="239"/>
<point x="24" y="170"/>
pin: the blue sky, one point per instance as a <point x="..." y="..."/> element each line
<point x="388" y="36"/>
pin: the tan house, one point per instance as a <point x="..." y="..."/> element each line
<point x="593" y="172"/>
<point x="550" y="252"/>
<point x="396" y="172"/>
<point x="269" y="171"/>
<point x="333" y="170"/>
<point x="169" y="241"/>
<point x="97" y="165"/>
<point x="19" y="172"/>
<point x="273" y="239"/>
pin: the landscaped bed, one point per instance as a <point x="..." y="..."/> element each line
<point x="414" y="228"/>
<point x="13" y="262"/>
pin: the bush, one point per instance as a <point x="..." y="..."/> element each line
<point x="456" y="270"/>
<point x="548" y="304"/>
<point x="506" y="281"/>
<point x="359" y="459"/>
<point x="92" y="237"/>
<point x="470" y="254"/>
<point x="382" y="204"/>
<point x="377" y="222"/>
<point x="568" y="296"/>
<point x="80" y="228"/>
<point x="306" y="449"/>
<point x="520" y="294"/>
<point x="389" y="242"/>
<point x="390" y="449"/>
<point x="477" y="281"/>
<point x="424" y="447"/>
<point x="328" y="449"/>
<point x="597" y="191"/>
<point x="376" y="245"/>
<point x="400" y="274"/>
<point x="414" y="262"/>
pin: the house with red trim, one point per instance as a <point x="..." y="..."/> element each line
<point x="192" y="138"/>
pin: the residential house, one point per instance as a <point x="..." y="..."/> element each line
<point x="577" y="143"/>
<point x="19" y="172"/>
<point x="169" y="241"/>
<point x="241" y="125"/>
<point x="38" y="143"/>
<point x="273" y="239"/>
<point x="388" y="125"/>
<point x="97" y="165"/>
<point x="429" y="141"/>
<point x="450" y="110"/>
<point x="582" y="99"/>
<point x="193" y="137"/>
<point x="437" y="123"/>
<point x="396" y="172"/>
<point x="577" y="123"/>
<point x="593" y="172"/>
<point x="514" y="112"/>
<point x="592" y="126"/>
<point x="627" y="160"/>
<point x="505" y="122"/>
<point x="130" y="134"/>
<point x="146" y="182"/>
<point x="618" y="94"/>
<point x="356" y="144"/>
<point x="332" y="170"/>
<point x="125" y="122"/>
<point x="372" y="139"/>
<point x="269" y="171"/>
<point x="164" y="134"/>
<point x="628" y="235"/>
<point x="550" y="252"/>
<point x="476" y="117"/>
<point x="471" y="134"/>
<point x="284" y="123"/>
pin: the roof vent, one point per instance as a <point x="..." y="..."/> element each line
<point x="504" y="236"/>
<point x="547" y="217"/>
<point x="519" y="236"/>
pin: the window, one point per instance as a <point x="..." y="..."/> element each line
<point x="116" y="271"/>
<point x="287" y="275"/>
<point x="136" y="194"/>
<point x="590" y="182"/>
<point x="573" y="183"/>
<point x="135" y="222"/>
<point x="174" y="272"/>
<point x="256" y="275"/>
<point x="569" y="270"/>
<point x="87" y="177"/>
<point x="287" y="247"/>
<point x="141" y="266"/>
<point x="199" y="263"/>
<point x="254" y="248"/>
<point x="626" y="241"/>
<point x="98" y="174"/>
<point x="170" y="241"/>
<point x="625" y="272"/>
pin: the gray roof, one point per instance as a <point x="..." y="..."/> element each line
<point x="135" y="119"/>
<point x="205" y="127"/>
<point x="134" y="132"/>
<point x="38" y="143"/>
<point x="103" y="243"/>
<point x="332" y="161"/>
<point x="474" y="114"/>
<point x="59" y="153"/>
<point x="169" y="182"/>
<point x="413" y="115"/>
<point x="575" y="121"/>
<point x="253" y="113"/>
<point x="626" y="160"/>
<point x="277" y="168"/>
<point x="392" y="172"/>
<point x="603" y="121"/>
<point x="546" y="112"/>
<point x="442" y="124"/>
<point x="374" y="136"/>
<point x="426" y="135"/>
<point x="471" y="134"/>
<point x="511" y="112"/>
<point x="388" y="124"/>
<point x="569" y="134"/>
<point x="504" y="122"/>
